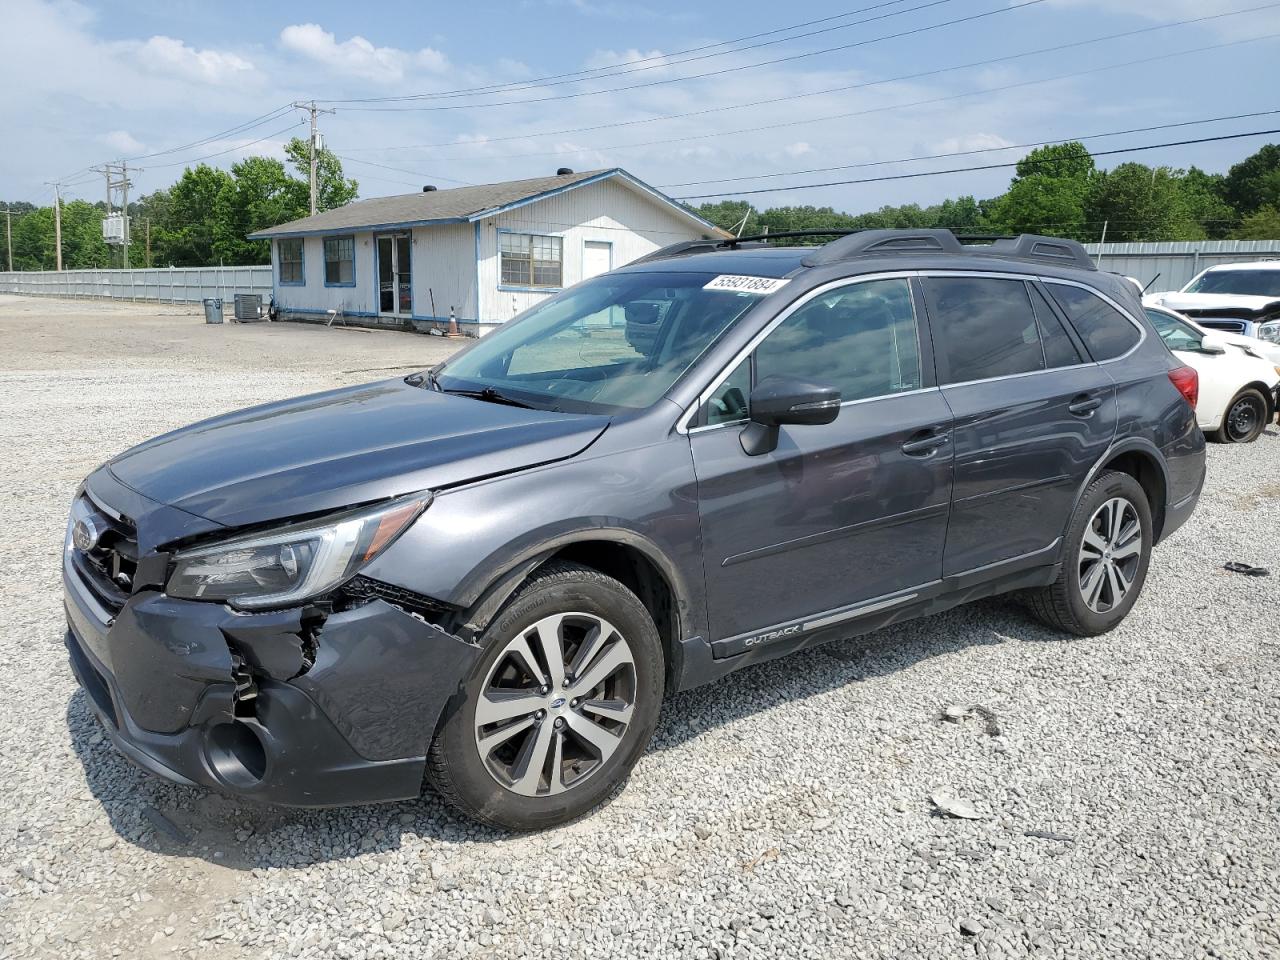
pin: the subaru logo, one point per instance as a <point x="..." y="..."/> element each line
<point x="85" y="534"/>
<point x="557" y="703"/>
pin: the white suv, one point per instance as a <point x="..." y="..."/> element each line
<point x="1241" y="299"/>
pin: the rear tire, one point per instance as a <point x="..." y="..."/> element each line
<point x="1104" y="559"/>
<point x="529" y="746"/>
<point x="1245" y="419"/>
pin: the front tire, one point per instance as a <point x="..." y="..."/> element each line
<point x="1245" y="419"/>
<point x="558" y="708"/>
<point x="1105" y="556"/>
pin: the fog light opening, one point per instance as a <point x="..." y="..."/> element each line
<point x="235" y="754"/>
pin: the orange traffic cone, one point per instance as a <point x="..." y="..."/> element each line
<point x="454" y="332"/>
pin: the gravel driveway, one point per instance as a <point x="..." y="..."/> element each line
<point x="1128" y="786"/>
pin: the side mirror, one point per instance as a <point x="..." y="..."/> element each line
<point x="1212" y="344"/>
<point x="780" y="402"/>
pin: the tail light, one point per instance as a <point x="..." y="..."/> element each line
<point x="1188" y="383"/>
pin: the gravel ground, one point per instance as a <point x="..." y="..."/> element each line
<point x="783" y="812"/>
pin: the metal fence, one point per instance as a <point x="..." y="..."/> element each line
<point x="164" y="284"/>
<point x="1177" y="263"/>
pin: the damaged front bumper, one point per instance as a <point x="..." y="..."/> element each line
<point x="298" y="707"/>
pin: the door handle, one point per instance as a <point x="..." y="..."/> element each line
<point x="1084" y="405"/>
<point x="925" y="444"/>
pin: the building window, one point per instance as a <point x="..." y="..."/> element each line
<point x="290" y="254"/>
<point x="529" y="260"/>
<point x="340" y="261"/>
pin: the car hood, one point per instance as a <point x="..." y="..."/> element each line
<point x="341" y="448"/>
<point x="1263" y="348"/>
<point x="1216" y="301"/>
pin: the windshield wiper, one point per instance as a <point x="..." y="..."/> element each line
<point x="489" y="395"/>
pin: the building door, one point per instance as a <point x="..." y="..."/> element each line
<point x="395" y="277"/>
<point x="597" y="258"/>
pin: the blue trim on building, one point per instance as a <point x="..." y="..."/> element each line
<point x="303" y="264"/>
<point x="506" y="288"/>
<point x="325" y="257"/>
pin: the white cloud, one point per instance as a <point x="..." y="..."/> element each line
<point x="173" y="57"/>
<point x="123" y="142"/>
<point x="971" y="141"/>
<point x="1164" y="11"/>
<point x="357" y="56"/>
<point x="614" y="58"/>
<point x="797" y="149"/>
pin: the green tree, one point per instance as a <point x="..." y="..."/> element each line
<point x="1263" y="225"/>
<point x="1254" y="182"/>
<point x="332" y="188"/>
<point x="1141" y="203"/>
<point x="185" y="239"/>
<point x="727" y="214"/>
<point x="260" y="194"/>
<point x="1202" y="199"/>
<point x="1048" y="193"/>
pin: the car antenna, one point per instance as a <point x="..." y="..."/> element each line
<point x="1148" y="286"/>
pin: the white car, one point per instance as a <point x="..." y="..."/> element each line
<point x="1238" y="299"/>
<point x="1238" y="388"/>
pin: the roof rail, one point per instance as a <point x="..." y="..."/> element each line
<point x="859" y="243"/>
<point x="1029" y="246"/>
<point x="867" y="242"/>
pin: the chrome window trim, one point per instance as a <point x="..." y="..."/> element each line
<point x="682" y="424"/>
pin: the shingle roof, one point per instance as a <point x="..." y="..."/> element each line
<point x="444" y="206"/>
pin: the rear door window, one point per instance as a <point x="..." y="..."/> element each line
<point x="1106" y="331"/>
<point x="983" y="327"/>
<point x="1059" y="350"/>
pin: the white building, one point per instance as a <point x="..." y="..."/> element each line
<point x="482" y="253"/>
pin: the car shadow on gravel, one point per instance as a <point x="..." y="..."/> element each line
<point x="173" y="820"/>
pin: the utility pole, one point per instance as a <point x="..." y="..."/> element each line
<point x="8" y="233"/>
<point x="311" y="107"/>
<point x="57" y="222"/>
<point x="148" y="223"/>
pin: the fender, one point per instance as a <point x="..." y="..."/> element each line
<point x="1127" y="445"/>
<point x="489" y="585"/>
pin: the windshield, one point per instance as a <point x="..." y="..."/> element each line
<point x="1177" y="334"/>
<point x="616" y="342"/>
<point x="1241" y="283"/>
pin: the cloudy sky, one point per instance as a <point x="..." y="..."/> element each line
<point x="502" y="89"/>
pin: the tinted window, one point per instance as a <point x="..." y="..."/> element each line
<point x="1059" y="351"/>
<point x="1247" y="283"/>
<point x="983" y="328"/>
<point x="1103" y="328"/>
<point x="860" y="339"/>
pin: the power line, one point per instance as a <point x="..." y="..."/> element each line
<point x="815" y="93"/>
<point x="664" y="60"/>
<point x="725" y="70"/>
<point x="428" y="176"/>
<point x="970" y="153"/>
<point x="220" y="153"/>
<point x="932" y="101"/>
<point x="989" y="166"/>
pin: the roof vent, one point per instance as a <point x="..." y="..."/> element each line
<point x="563" y="172"/>
<point x="430" y="188"/>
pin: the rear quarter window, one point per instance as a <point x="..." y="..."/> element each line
<point x="1106" y="331"/>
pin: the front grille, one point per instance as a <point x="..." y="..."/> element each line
<point x="108" y="568"/>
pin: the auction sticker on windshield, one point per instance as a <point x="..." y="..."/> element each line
<point x="760" y="285"/>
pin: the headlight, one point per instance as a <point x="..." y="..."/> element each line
<point x="280" y="567"/>
<point x="1270" y="331"/>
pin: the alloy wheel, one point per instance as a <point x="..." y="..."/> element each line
<point x="1243" y="418"/>
<point x="555" y="704"/>
<point x="1110" y="554"/>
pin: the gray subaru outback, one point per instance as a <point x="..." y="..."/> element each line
<point x="487" y="575"/>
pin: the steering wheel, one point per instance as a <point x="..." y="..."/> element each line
<point x="730" y="405"/>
